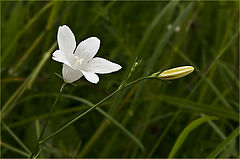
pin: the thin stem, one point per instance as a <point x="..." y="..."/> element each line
<point x="37" y="128"/>
<point x="96" y="105"/>
<point x="63" y="85"/>
<point x="46" y="122"/>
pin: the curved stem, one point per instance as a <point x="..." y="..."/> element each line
<point x="96" y="105"/>
<point x="46" y="122"/>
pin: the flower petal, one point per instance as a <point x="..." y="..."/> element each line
<point x="59" y="56"/>
<point x="70" y="75"/>
<point x="102" y="66"/>
<point x="66" y="41"/>
<point x="91" y="77"/>
<point x="88" y="48"/>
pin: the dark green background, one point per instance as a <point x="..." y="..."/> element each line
<point x="208" y="40"/>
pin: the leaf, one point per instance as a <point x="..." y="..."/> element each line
<point x="224" y="143"/>
<point x="186" y="131"/>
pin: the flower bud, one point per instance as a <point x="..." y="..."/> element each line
<point x="175" y="73"/>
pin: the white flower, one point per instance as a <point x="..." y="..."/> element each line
<point x="78" y="62"/>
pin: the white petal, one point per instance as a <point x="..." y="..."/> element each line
<point x="66" y="41"/>
<point x="88" y="48"/>
<point x="70" y="75"/>
<point x="91" y="77"/>
<point x="102" y="66"/>
<point x="60" y="57"/>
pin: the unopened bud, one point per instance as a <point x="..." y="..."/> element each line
<point x="175" y="73"/>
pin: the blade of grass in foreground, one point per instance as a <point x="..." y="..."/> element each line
<point x="186" y="131"/>
<point x="223" y="144"/>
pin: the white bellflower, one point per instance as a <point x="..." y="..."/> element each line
<point x="80" y="61"/>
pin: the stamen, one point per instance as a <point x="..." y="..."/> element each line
<point x="77" y="62"/>
<point x="80" y="61"/>
<point x="76" y="58"/>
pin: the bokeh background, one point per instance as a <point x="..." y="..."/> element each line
<point x="156" y="35"/>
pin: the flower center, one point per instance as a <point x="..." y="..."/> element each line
<point x="78" y="61"/>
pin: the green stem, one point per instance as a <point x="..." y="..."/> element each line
<point x="96" y="105"/>
<point x="46" y="122"/>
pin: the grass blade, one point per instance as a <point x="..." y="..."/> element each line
<point x="186" y="131"/>
<point x="37" y="128"/>
<point x="223" y="144"/>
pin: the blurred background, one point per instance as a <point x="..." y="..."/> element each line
<point x="151" y="36"/>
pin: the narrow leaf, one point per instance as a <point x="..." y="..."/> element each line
<point x="224" y="143"/>
<point x="186" y="131"/>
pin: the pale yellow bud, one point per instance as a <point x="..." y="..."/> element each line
<point x="175" y="73"/>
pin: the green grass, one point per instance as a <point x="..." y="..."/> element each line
<point x="149" y="119"/>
